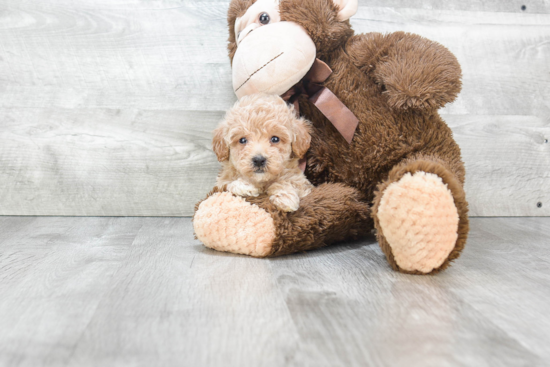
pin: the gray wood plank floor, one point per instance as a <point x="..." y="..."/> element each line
<point x="142" y="292"/>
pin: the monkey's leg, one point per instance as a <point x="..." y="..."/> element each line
<point x="421" y="216"/>
<point x="255" y="227"/>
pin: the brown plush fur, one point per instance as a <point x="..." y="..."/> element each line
<point x="394" y="84"/>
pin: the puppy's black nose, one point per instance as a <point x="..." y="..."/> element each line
<point x="259" y="161"/>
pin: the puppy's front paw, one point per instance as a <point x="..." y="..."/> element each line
<point x="242" y="188"/>
<point x="287" y="201"/>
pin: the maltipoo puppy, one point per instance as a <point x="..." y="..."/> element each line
<point x="259" y="144"/>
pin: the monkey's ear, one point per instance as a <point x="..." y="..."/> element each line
<point x="302" y="138"/>
<point x="348" y="8"/>
<point x="219" y="145"/>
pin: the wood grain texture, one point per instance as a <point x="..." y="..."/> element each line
<point x="106" y="107"/>
<point x="143" y="292"/>
<point x="531" y="6"/>
<point x="511" y="153"/>
<point x="115" y="162"/>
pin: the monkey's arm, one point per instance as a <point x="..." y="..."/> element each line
<point x="415" y="72"/>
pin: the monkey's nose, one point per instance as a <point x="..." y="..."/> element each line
<point x="259" y="161"/>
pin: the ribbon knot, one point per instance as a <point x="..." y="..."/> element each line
<point x="334" y="110"/>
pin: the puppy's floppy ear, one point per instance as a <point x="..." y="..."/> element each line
<point x="218" y="143"/>
<point x="301" y="130"/>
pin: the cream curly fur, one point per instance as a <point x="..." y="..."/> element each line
<point x="259" y="118"/>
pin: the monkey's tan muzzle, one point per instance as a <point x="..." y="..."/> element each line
<point x="271" y="59"/>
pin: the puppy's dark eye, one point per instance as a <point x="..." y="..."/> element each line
<point x="243" y="140"/>
<point x="275" y="139"/>
<point x="264" y="18"/>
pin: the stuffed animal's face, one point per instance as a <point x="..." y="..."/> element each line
<point x="272" y="43"/>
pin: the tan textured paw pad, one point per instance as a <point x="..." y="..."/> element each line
<point x="228" y="223"/>
<point x="419" y="220"/>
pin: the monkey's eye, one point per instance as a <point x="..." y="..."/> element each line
<point x="275" y="139"/>
<point x="264" y="18"/>
<point x="243" y="140"/>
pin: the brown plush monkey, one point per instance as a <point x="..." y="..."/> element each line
<point x="401" y="173"/>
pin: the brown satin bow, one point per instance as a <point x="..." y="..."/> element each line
<point x="334" y="110"/>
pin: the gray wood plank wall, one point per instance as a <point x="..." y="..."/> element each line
<point x="107" y="106"/>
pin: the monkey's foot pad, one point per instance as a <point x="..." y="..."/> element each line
<point x="228" y="223"/>
<point x="419" y="220"/>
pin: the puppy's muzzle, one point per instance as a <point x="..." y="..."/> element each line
<point x="259" y="162"/>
